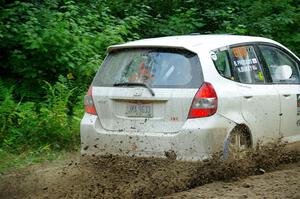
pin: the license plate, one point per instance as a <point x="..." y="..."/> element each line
<point x="139" y="110"/>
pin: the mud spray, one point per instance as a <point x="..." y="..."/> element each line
<point x="125" y="177"/>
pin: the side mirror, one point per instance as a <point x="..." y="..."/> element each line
<point x="283" y="72"/>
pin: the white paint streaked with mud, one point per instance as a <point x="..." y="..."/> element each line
<point x="269" y="111"/>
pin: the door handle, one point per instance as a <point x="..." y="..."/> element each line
<point x="287" y="95"/>
<point x="248" y="97"/>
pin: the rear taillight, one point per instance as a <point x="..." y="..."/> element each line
<point x="205" y="102"/>
<point x="89" y="103"/>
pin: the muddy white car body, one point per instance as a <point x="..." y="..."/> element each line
<point x="241" y="88"/>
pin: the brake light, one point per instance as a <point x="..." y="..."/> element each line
<point x="205" y="102"/>
<point x="89" y="103"/>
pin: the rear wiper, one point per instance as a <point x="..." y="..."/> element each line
<point x="136" y="84"/>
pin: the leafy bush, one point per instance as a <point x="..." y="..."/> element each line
<point x="42" y="41"/>
<point x="30" y="125"/>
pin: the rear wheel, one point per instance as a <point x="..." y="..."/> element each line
<point x="237" y="144"/>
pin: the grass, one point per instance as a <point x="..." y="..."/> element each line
<point x="9" y="161"/>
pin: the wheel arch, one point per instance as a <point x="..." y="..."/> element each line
<point x="245" y="128"/>
<point x="238" y="127"/>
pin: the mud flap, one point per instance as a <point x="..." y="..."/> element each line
<point x="226" y="148"/>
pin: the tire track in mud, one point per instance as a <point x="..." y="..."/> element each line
<point x="130" y="177"/>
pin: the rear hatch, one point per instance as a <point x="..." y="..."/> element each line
<point x="146" y="90"/>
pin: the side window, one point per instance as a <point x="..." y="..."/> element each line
<point x="282" y="67"/>
<point x="222" y="63"/>
<point x="246" y="65"/>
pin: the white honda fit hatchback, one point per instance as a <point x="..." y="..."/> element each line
<point x="190" y="96"/>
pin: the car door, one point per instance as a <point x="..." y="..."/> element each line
<point x="288" y="89"/>
<point x="260" y="105"/>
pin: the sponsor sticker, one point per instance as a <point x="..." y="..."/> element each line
<point x="213" y="56"/>
<point x="240" y="52"/>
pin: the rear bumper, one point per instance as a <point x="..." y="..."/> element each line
<point x="197" y="140"/>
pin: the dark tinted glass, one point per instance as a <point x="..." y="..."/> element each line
<point x="155" y="67"/>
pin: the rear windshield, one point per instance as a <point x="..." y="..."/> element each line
<point x="161" y="68"/>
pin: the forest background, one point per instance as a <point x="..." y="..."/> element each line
<point x="51" y="49"/>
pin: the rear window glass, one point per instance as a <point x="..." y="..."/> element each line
<point x="154" y="67"/>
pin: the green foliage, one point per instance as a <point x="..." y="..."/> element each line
<point x="44" y="125"/>
<point x="40" y="42"/>
<point x="12" y="161"/>
<point x="183" y="21"/>
<point x="279" y="20"/>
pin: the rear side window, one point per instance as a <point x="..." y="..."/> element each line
<point x="155" y="67"/>
<point x="246" y="65"/>
<point x="275" y="58"/>
<point x="222" y="63"/>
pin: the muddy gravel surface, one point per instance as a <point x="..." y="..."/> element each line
<point x="282" y="183"/>
<point x="271" y="169"/>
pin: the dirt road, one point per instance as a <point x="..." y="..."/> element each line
<point x="273" y="174"/>
<point x="283" y="183"/>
